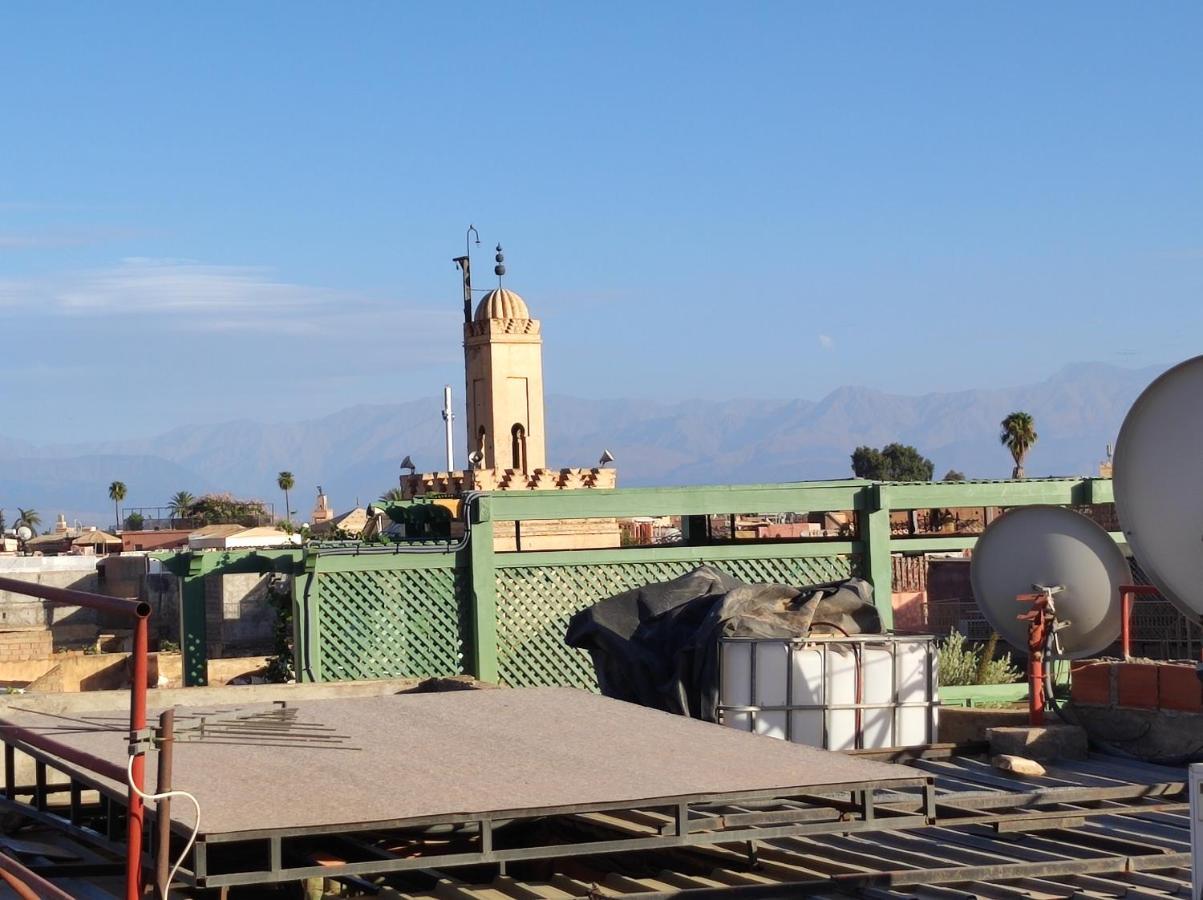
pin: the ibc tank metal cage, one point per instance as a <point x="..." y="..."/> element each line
<point x="832" y="692"/>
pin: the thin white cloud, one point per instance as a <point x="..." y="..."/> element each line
<point x="198" y="295"/>
<point x="826" y="341"/>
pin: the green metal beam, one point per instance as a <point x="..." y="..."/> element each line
<point x="1055" y="491"/>
<point x="958" y="542"/>
<point x="383" y="562"/>
<point x="718" y="552"/>
<point x="819" y="496"/>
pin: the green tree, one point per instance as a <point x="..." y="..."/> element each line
<point x="1017" y="432"/>
<point x="117" y="494"/>
<point x="893" y="462"/>
<point x="953" y="475"/>
<point x="393" y="494"/>
<point x="29" y="518"/>
<point x="134" y="521"/>
<point x="285" y="482"/>
<point x="221" y="509"/>
<point x="180" y="504"/>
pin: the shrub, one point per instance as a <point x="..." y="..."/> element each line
<point x="960" y="664"/>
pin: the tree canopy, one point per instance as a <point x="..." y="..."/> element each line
<point x="1017" y="432"/>
<point x="220" y="509"/>
<point x="953" y="475"/>
<point x="180" y="503"/>
<point x="893" y="462"/>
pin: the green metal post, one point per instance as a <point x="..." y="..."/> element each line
<point x="484" y="592"/>
<point x="194" y="640"/>
<point x="306" y="631"/>
<point x="875" y="533"/>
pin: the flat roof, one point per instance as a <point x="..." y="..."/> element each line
<point x="450" y="756"/>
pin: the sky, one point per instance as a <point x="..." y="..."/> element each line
<point x="228" y="210"/>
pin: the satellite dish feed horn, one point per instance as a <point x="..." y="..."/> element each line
<point x="1037" y="548"/>
<point x="1158" y="481"/>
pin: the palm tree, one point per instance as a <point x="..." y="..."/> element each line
<point x="29" y="518"/>
<point x="393" y="494"/>
<point x="180" y="503"/>
<point x="1018" y="434"/>
<point x="117" y="494"/>
<point x="285" y="482"/>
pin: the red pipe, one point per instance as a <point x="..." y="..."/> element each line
<point x="137" y="723"/>
<point x="1036" y="668"/>
<point x="139" y="611"/>
<point x="1127" y="592"/>
<point x="23" y="881"/>
<point x="1125" y="622"/>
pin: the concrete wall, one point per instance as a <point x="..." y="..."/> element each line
<point x="238" y="616"/>
<point x="73" y="626"/>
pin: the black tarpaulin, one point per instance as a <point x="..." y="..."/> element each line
<point x="658" y="645"/>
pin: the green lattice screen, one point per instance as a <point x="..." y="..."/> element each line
<point x="391" y="623"/>
<point x="534" y="604"/>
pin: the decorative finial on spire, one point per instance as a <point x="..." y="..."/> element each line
<point x="499" y="269"/>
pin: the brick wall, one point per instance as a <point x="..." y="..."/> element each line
<point x="25" y="645"/>
<point x="1173" y="686"/>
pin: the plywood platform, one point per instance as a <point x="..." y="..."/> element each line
<point x="424" y="756"/>
<point x="482" y="759"/>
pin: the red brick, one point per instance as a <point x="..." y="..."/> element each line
<point x="1137" y="685"/>
<point x="1180" y="688"/>
<point x="1091" y="683"/>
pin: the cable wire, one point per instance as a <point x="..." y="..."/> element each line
<point x="129" y="776"/>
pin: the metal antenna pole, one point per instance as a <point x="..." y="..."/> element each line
<point x="448" y="419"/>
<point x="163" y="806"/>
<point x="465" y="264"/>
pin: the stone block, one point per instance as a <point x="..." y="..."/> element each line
<point x="1020" y="765"/>
<point x="1041" y="743"/>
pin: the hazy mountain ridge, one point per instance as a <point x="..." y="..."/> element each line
<point x="354" y="453"/>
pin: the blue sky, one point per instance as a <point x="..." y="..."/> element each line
<point x="225" y="210"/>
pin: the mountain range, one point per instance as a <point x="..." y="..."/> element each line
<point x="354" y="454"/>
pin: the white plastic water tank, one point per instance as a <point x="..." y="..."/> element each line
<point x="838" y="693"/>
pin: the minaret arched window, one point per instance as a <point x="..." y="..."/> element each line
<point x="518" y="440"/>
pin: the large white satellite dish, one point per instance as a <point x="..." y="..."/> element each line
<point x="1158" y="471"/>
<point x="1050" y="546"/>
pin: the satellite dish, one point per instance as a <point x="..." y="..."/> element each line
<point x="1050" y="546"/>
<point x="1158" y="472"/>
<point x="24" y="532"/>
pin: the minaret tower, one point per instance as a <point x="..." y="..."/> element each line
<point x="503" y="353"/>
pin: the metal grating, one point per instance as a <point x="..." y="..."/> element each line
<point x="392" y="623"/>
<point x="534" y="604"/>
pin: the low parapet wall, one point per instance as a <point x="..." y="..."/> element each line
<point x="1138" y="685"/>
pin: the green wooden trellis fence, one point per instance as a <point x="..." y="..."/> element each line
<point x="360" y="614"/>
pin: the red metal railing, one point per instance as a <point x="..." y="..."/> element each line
<point x="26" y="884"/>
<point x="139" y="612"/>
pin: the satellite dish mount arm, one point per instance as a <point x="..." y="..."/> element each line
<point x="1042" y="625"/>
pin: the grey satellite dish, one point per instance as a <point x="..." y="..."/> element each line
<point x="24" y="532"/>
<point x="1158" y="472"/>
<point x="1050" y="546"/>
